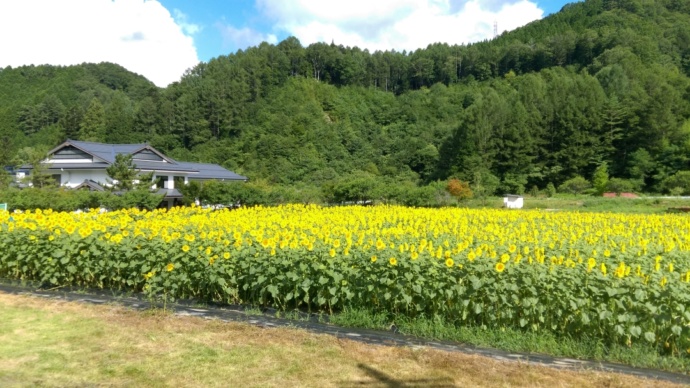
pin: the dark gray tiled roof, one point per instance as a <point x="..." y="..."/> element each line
<point x="93" y="185"/>
<point x="158" y="166"/>
<point x="170" y="193"/>
<point x="107" y="153"/>
<point x="212" y="171"/>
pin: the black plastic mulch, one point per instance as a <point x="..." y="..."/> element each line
<point x="313" y="324"/>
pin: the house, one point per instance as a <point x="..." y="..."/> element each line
<point x="82" y="165"/>
<point x="512" y="201"/>
<point x="17" y="175"/>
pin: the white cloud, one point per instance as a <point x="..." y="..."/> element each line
<point x="243" y="37"/>
<point x="181" y="20"/>
<point x="140" y="35"/>
<point x="397" y="24"/>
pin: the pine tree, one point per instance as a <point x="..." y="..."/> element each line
<point x="92" y="126"/>
<point x="40" y="175"/>
<point x="601" y="178"/>
<point x="123" y="172"/>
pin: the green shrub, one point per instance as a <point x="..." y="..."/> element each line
<point x="576" y="185"/>
<point x="600" y="179"/>
<point x="618" y="185"/>
<point x="62" y="199"/>
<point x="550" y="190"/>
<point x="351" y="188"/>
<point x="679" y="181"/>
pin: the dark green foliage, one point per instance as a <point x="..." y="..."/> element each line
<point x="5" y="179"/>
<point x="39" y="176"/>
<point x="142" y="199"/>
<point x="123" y="172"/>
<point x="576" y="185"/>
<point x="678" y="183"/>
<point x="248" y="194"/>
<point x="144" y="180"/>
<point x="358" y="188"/>
<point x="550" y="190"/>
<point x="93" y="125"/>
<point x="190" y="192"/>
<point x="601" y="82"/>
<point x="61" y="199"/>
<point x="618" y="185"/>
<point x="600" y="179"/>
<point x="35" y="198"/>
<point x="218" y="193"/>
<point x="484" y="183"/>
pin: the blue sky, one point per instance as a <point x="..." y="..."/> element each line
<point x="230" y="25"/>
<point x="161" y="39"/>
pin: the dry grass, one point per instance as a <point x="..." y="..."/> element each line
<point x="57" y="343"/>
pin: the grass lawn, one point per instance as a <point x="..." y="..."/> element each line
<point x="47" y="342"/>
<point x="587" y="203"/>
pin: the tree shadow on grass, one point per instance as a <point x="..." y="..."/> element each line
<point x="380" y="379"/>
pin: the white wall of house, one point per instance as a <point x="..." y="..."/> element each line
<point x="73" y="178"/>
<point x="169" y="183"/>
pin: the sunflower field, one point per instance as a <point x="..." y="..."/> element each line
<point x="619" y="278"/>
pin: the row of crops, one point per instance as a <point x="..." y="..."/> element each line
<point x="618" y="278"/>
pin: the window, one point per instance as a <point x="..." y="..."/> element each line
<point x="160" y="181"/>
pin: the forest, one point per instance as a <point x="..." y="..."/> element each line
<point x="603" y="86"/>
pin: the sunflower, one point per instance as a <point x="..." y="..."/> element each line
<point x="620" y="271"/>
<point x="185" y="248"/>
<point x="380" y="245"/>
<point x="449" y="262"/>
<point x="500" y="267"/>
<point x="393" y="261"/>
<point x="170" y="267"/>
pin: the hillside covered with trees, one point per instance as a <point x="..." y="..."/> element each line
<point x="603" y="84"/>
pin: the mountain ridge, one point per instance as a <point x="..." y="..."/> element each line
<point x="602" y="82"/>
